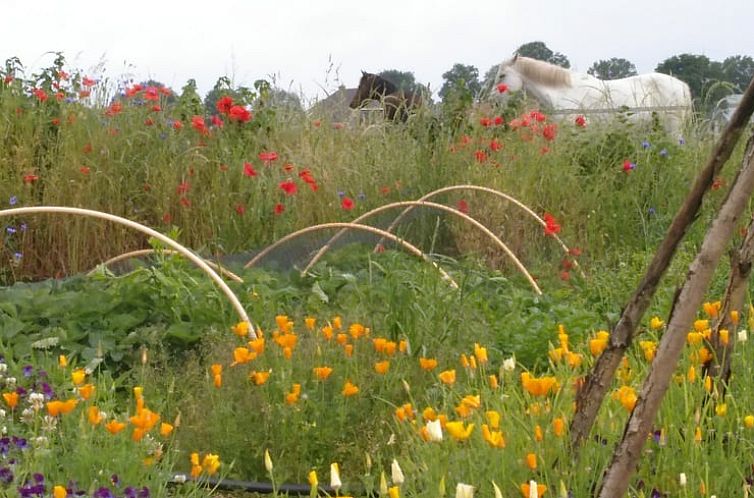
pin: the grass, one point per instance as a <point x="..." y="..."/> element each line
<point x="377" y="320"/>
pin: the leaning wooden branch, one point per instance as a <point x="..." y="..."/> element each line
<point x="687" y="302"/>
<point x="733" y="300"/>
<point x="590" y="397"/>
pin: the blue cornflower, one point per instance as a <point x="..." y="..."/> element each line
<point x="652" y="211"/>
<point x="13" y="200"/>
<point x="664" y="153"/>
<point x="22" y="227"/>
<point x="645" y="144"/>
<point x="17" y="256"/>
<point x="6" y="475"/>
<point x="10" y="230"/>
<point x="341" y="194"/>
<point x="681" y="141"/>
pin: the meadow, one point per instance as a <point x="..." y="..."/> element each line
<point x="369" y="375"/>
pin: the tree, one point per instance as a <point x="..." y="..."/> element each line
<point x="461" y="79"/>
<point x="538" y="50"/>
<point x="612" y="69"/>
<point x="404" y="80"/>
<point x="738" y="70"/>
<point x="189" y="102"/>
<point x="696" y="70"/>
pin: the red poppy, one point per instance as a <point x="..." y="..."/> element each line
<point x="717" y="183"/>
<point x="88" y="82"/>
<point x="59" y="96"/>
<point x="217" y="121"/>
<point x="566" y="264"/>
<point x="55" y="121"/>
<point x="182" y="188"/>
<point x="628" y="166"/>
<point x="338" y="126"/>
<point x="223" y="167"/>
<point x="30" y="178"/>
<point x="240" y="114"/>
<point x="167" y="218"/>
<point x="480" y="156"/>
<point x="84" y="170"/>
<point x="306" y="176"/>
<point x="156" y="108"/>
<point x="224" y="104"/>
<point x="346" y="203"/>
<point x="551" y="226"/>
<point x="463" y="206"/>
<point x="114" y="109"/>
<point x="248" y="170"/>
<point x="485" y="121"/>
<point x="581" y="121"/>
<point x="149" y="122"/>
<point x="8" y="79"/>
<point x="384" y="190"/>
<point x="544" y="150"/>
<point x="575" y="251"/>
<point x="289" y="187"/>
<point x="495" y="145"/>
<point x="537" y="116"/>
<point x="185" y="202"/>
<point x="317" y="123"/>
<point x="465" y="139"/>
<point x="268" y="157"/>
<point x="565" y="276"/>
<point x="279" y="208"/>
<point x="177" y="124"/>
<point x="151" y="93"/>
<point x="288" y="167"/>
<point x="549" y="132"/>
<point x="198" y="123"/>
<point x="62" y="75"/>
<point x="84" y="94"/>
<point x="166" y="91"/>
<point x="87" y="148"/>
<point x="499" y="120"/>
<point x="130" y="92"/>
<point x="240" y="209"/>
<point x="502" y="87"/>
<point x="40" y="94"/>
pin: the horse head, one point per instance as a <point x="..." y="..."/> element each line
<point x="364" y="91"/>
<point x="508" y="75"/>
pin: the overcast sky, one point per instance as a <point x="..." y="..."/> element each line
<point x="297" y="41"/>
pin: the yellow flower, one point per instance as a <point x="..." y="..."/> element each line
<point x="310" y="322"/>
<point x="448" y="377"/>
<point x="267" y="461"/>
<point x="698" y="434"/>
<point x="599" y="343"/>
<point x="405" y="412"/>
<point x="62" y="361"/>
<point x="291" y="398"/>
<point x="494" y="384"/>
<point x="627" y="397"/>
<point x="708" y="383"/>
<point x="11" y="398"/>
<point x="114" y="427"/>
<point x="350" y="389"/>
<point x="694" y="338"/>
<point x="78" y="376"/>
<point x="356" y="330"/>
<point x="558" y="426"/>
<point x="257" y="345"/>
<point x="241" y="329"/>
<point x="165" y="429"/>
<point x="242" y="355"/>
<point x="538" y="434"/>
<point x="458" y="431"/>
<point x="721" y="409"/>
<point x="701" y="325"/>
<point x="538" y="386"/>
<point x="493" y="437"/>
<point x="480" y="353"/>
<point x="531" y="461"/>
<point x="259" y="378"/>
<point x="734" y="317"/>
<point x="712" y="309"/>
<point x="724" y="337"/>
<point x="55" y="408"/>
<point x="427" y="363"/>
<point x="656" y="323"/>
<point x="86" y="391"/>
<point x="59" y="492"/>
<point x="749" y="421"/>
<point x="335" y="482"/>
<point x="649" y="348"/>
<point x="381" y="367"/>
<point x="322" y="373"/>
<point x="526" y="490"/>
<point x="394" y="492"/>
<point x="336" y="322"/>
<point x="312" y="478"/>
<point x="94" y="415"/>
<point x="691" y="375"/>
<point x="493" y="417"/>
<point x="211" y="463"/>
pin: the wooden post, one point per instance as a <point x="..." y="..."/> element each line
<point x="590" y="397"/>
<point x="687" y="302"/>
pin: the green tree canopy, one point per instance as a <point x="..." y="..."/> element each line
<point x="404" y="80"/>
<point x="738" y="70"/>
<point x="696" y="70"/>
<point x="460" y="79"/>
<point x="538" y="50"/>
<point x="612" y="69"/>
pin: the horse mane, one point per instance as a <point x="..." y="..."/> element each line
<point x="542" y="72"/>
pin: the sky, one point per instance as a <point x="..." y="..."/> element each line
<point x="310" y="47"/>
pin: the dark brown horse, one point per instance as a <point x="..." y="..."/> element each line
<point x="397" y="103"/>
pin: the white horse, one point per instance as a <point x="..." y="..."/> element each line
<point x="568" y="94"/>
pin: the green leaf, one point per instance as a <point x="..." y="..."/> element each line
<point x="317" y="291"/>
<point x="10" y="328"/>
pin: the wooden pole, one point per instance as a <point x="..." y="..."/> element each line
<point x="687" y="302"/>
<point x="590" y="397"/>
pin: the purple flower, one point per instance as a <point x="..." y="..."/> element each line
<point x="645" y="144"/>
<point x="103" y="492"/>
<point x="664" y="153"/>
<point x="13" y="200"/>
<point x="652" y="211"/>
<point x="6" y="475"/>
<point x="681" y="141"/>
<point x="22" y="227"/>
<point x="341" y="194"/>
<point x="144" y="492"/>
<point x="10" y="230"/>
<point x="21" y="444"/>
<point x="28" y="370"/>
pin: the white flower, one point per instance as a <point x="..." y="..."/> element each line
<point x="682" y="479"/>
<point x="742" y="335"/>
<point x="498" y="493"/>
<point x="3" y="413"/>
<point x="464" y="491"/>
<point x="3" y="367"/>
<point x="27" y="415"/>
<point x="434" y="430"/>
<point x="335" y="477"/>
<point x="10" y="381"/>
<point x="509" y="364"/>
<point x="383" y="484"/>
<point x="180" y="478"/>
<point x="533" y="492"/>
<point x="396" y="474"/>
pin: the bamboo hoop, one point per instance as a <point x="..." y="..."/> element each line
<point x="442" y="207"/>
<point x="148" y="231"/>
<point x="146" y="252"/>
<point x="366" y="228"/>
<point x="505" y="196"/>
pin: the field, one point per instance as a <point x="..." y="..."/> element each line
<point x="370" y="374"/>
